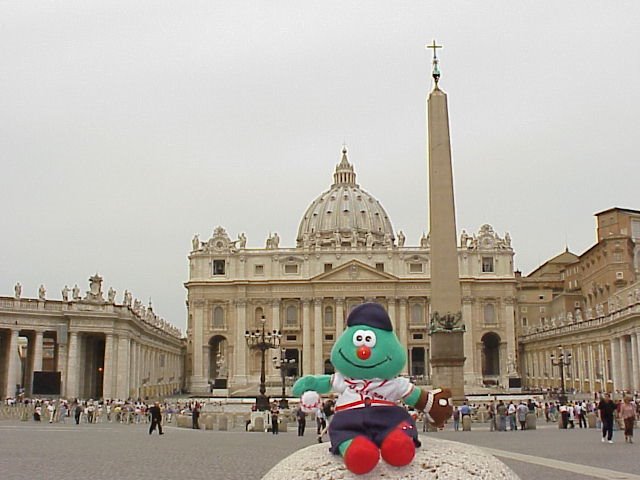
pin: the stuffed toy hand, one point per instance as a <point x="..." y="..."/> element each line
<point x="438" y="408"/>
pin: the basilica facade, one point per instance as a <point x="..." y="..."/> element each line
<point x="346" y="252"/>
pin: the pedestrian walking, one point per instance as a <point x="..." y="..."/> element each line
<point x="195" y="415"/>
<point x="607" y="409"/>
<point x="301" y="417"/>
<point x="275" y="413"/>
<point x="627" y="414"/>
<point x="456" y="419"/>
<point x="521" y="413"/>
<point x="156" y="418"/>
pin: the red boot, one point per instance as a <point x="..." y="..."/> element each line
<point x="362" y="456"/>
<point x="398" y="448"/>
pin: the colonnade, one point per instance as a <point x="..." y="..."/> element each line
<point x="604" y="364"/>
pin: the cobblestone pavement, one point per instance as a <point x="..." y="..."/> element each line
<point x="553" y="454"/>
<point x="110" y="451"/>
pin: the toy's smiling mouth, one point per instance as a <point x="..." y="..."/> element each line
<point x="362" y="366"/>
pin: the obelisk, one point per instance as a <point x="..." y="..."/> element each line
<point x="446" y="328"/>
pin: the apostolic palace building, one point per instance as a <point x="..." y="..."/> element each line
<point x="346" y="252"/>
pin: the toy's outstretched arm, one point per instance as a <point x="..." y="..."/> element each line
<point x="435" y="403"/>
<point x="317" y="383"/>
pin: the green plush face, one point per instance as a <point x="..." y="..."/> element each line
<point x="366" y="352"/>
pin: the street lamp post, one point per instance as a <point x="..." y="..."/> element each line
<point x="262" y="340"/>
<point x="564" y="360"/>
<point x="281" y="364"/>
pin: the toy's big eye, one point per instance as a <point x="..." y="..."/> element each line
<point x="369" y="339"/>
<point x="358" y="338"/>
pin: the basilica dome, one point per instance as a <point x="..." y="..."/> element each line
<point x="345" y="215"/>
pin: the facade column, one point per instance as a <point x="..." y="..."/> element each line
<point x="37" y="354"/>
<point x="241" y="344"/>
<point x="13" y="366"/>
<point x="592" y="368"/>
<point x="615" y="363"/>
<point x="339" y="316"/>
<point x="393" y="312"/>
<point x="197" y="381"/>
<point x="510" y="327"/>
<point x="634" y="385"/>
<point x="107" y="372"/>
<point x="132" y="368"/>
<point x="402" y="329"/>
<point x="275" y="314"/>
<point x="73" y="366"/>
<point x="604" y="370"/>
<point x="307" y="356"/>
<point x="624" y="364"/>
<point x="318" y="337"/>
<point x="124" y="362"/>
<point x="471" y="376"/>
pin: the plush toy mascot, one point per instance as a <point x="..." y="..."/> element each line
<point x="368" y="421"/>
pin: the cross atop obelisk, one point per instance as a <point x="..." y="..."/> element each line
<point x="435" y="72"/>
<point x="446" y="327"/>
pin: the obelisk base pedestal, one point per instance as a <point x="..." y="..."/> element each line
<point x="447" y="363"/>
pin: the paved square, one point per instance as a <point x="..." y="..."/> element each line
<point x="31" y="451"/>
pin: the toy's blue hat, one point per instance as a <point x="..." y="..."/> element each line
<point x="370" y="315"/>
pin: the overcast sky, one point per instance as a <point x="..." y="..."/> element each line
<point x="128" y="126"/>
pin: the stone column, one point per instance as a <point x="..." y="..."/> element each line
<point x="241" y="344"/>
<point x="37" y="353"/>
<point x="122" y="386"/>
<point x="510" y="327"/>
<point x="307" y="356"/>
<point x="615" y="364"/>
<point x="132" y="369"/>
<point x="13" y="366"/>
<point x="634" y="383"/>
<point x="318" y="362"/>
<point x="624" y="365"/>
<point x="471" y="376"/>
<point x="402" y="329"/>
<point x="339" y="316"/>
<point x="603" y="367"/>
<point x="108" y="373"/>
<point x="393" y="312"/>
<point x="73" y="367"/>
<point x="635" y="359"/>
<point x="275" y="314"/>
<point x="197" y="381"/>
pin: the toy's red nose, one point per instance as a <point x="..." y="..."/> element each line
<point x="363" y="352"/>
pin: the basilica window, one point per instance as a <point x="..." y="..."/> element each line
<point x="487" y="264"/>
<point x="218" y="317"/>
<point x="291" y="317"/>
<point x="291" y="269"/>
<point x="328" y="267"/>
<point x="259" y="270"/>
<point x="415" y="268"/>
<point x="218" y="267"/>
<point x="417" y="313"/>
<point x="328" y="317"/>
<point x="489" y="313"/>
<point x="380" y="267"/>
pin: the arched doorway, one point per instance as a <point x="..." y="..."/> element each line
<point x="218" y="361"/>
<point x="490" y="358"/>
<point x="328" y="367"/>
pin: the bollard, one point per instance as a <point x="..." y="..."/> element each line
<point x="466" y="423"/>
<point x="258" y="424"/>
<point x="531" y="421"/>
<point x="592" y="420"/>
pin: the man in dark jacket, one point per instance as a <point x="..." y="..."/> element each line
<point x="156" y="418"/>
<point x="607" y="409"/>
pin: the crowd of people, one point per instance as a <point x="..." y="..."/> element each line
<point x="106" y="411"/>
